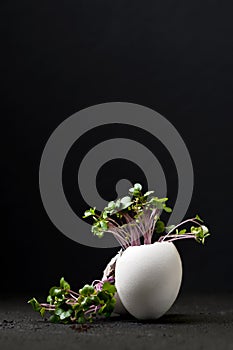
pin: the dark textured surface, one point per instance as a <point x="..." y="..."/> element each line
<point x="197" y="322"/>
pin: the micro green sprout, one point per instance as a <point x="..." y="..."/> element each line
<point x="138" y="215"/>
<point x="199" y="232"/>
<point x="130" y="219"/>
<point x="66" y="306"/>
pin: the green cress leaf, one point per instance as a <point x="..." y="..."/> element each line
<point x="86" y="290"/>
<point x="136" y="190"/>
<point x="104" y="225"/>
<point x="161" y="200"/>
<point x="167" y="209"/>
<point x="109" y="287"/>
<point x="103" y="296"/>
<point x="64" y="284"/>
<point x="81" y="319"/>
<point x="42" y="311"/>
<point x="55" y="291"/>
<point x="49" y="299"/>
<point x="110" y="207"/>
<point x="35" y="304"/>
<point x="107" y="309"/>
<point x="181" y="232"/>
<point x="58" y="312"/>
<point x="200" y="232"/>
<point x="66" y="314"/>
<point x="159" y="226"/>
<point x="137" y="187"/>
<point x="54" y="318"/>
<point x="148" y="193"/>
<point x="169" y="228"/>
<point x="96" y="229"/>
<point x="89" y="212"/>
<point x="158" y="202"/>
<point x="197" y="217"/>
<point x="125" y="202"/>
<point x="105" y="215"/>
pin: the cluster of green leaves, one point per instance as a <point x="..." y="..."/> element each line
<point x="146" y="201"/>
<point x="200" y="232"/>
<point x="90" y="303"/>
<point x="134" y="204"/>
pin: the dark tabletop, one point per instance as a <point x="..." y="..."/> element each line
<point x="194" y="322"/>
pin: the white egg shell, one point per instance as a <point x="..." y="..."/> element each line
<point x="119" y="308"/>
<point x="148" y="279"/>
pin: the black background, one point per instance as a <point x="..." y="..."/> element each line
<point x="59" y="57"/>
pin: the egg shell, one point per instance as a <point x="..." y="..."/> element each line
<point x="148" y="279"/>
<point x="119" y="308"/>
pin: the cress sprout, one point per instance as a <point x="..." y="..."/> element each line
<point x="138" y="215"/>
<point x="132" y="220"/>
